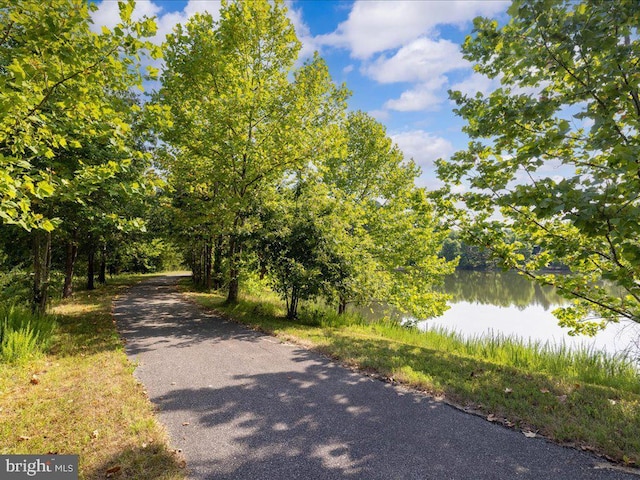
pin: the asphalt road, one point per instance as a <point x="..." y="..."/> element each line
<point x="243" y="405"/>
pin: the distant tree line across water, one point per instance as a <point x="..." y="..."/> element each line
<point x="474" y="257"/>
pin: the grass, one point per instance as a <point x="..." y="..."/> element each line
<point x="81" y="398"/>
<point x="23" y="336"/>
<point x="581" y="399"/>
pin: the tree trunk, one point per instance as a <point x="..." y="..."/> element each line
<point x="217" y="263"/>
<point x="207" y="263"/>
<point x="102" y="273"/>
<point x="234" y="272"/>
<point x="292" y="310"/>
<point x="41" y="269"/>
<point x="69" y="265"/>
<point x="342" y="306"/>
<point x="195" y="264"/>
<point x="91" y="268"/>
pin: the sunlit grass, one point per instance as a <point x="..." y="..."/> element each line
<point x="81" y="398"/>
<point x="575" y="397"/>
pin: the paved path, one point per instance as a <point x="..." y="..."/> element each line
<point x="242" y="405"/>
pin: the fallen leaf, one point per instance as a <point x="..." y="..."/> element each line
<point x="529" y="434"/>
<point x="562" y="398"/>
<point x="508" y="390"/>
<point x="492" y="418"/>
<point x="23" y="438"/>
<point x="34" y="379"/>
<point x="544" y="390"/>
<point x="95" y="434"/>
<point x="184" y="424"/>
<point x="113" y="470"/>
<point x="509" y="424"/>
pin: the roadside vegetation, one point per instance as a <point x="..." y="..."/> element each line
<point x="67" y="387"/>
<point x="577" y="398"/>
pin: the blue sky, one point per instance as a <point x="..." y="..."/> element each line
<point x="398" y="58"/>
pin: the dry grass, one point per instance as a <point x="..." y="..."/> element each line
<point x="82" y="398"/>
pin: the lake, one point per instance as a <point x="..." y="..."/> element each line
<point x="490" y="303"/>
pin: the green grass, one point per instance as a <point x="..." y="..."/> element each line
<point x="583" y="399"/>
<point x="23" y="335"/>
<point x="80" y="397"/>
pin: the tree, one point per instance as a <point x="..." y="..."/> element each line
<point x="242" y="115"/>
<point x="297" y="244"/>
<point x="57" y="86"/>
<point x="388" y="240"/>
<point x="555" y="151"/>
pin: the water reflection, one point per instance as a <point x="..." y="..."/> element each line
<point x="504" y="289"/>
<point x="499" y="303"/>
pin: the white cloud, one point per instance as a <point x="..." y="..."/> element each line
<point x="424" y="147"/>
<point x="379" y="115"/>
<point x="420" y="60"/>
<point x="303" y="32"/>
<point x="108" y="15"/>
<point x="475" y="83"/>
<point x="424" y="96"/>
<point x="374" y="27"/>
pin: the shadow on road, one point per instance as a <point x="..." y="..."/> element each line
<point x="242" y="405"/>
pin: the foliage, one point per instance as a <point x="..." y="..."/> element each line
<point x="387" y="237"/>
<point x="297" y="248"/>
<point x="352" y="228"/>
<point x="470" y="257"/>
<point x="15" y="286"/>
<point x="145" y="256"/>
<point x="554" y="151"/>
<point x="23" y="335"/>
<point x="67" y="125"/>
<point x="242" y="116"/>
<point x="56" y="78"/>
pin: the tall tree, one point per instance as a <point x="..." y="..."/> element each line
<point x="242" y="114"/>
<point x="556" y="151"/>
<point x="57" y="84"/>
<point x="391" y="235"/>
<point x="353" y="228"/>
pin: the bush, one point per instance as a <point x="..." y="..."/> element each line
<point x="23" y="335"/>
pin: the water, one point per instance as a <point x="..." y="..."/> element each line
<point x="490" y="303"/>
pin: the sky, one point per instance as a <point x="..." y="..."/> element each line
<point x="398" y="58"/>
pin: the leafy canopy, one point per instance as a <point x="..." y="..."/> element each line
<point x="242" y="115"/>
<point x="555" y="151"/>
<point x="57" y="80"/>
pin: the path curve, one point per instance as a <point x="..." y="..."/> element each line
<point x="243" y="405"/>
